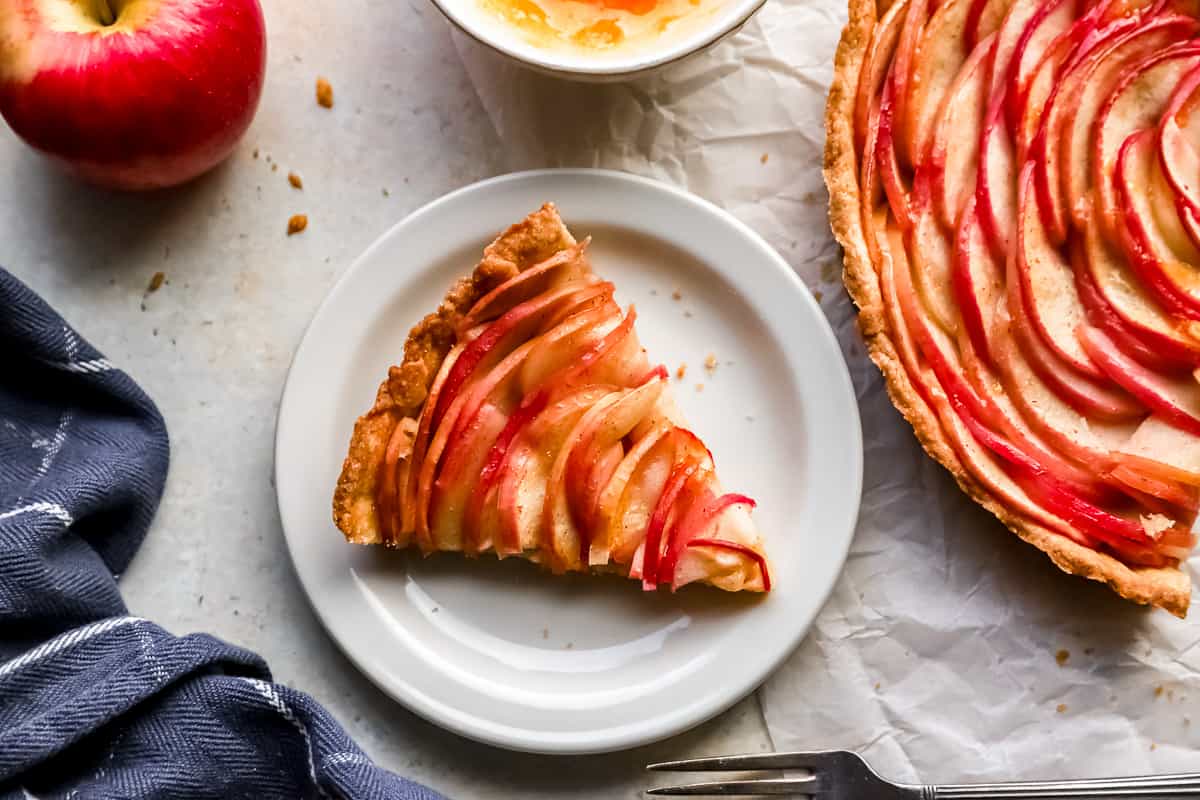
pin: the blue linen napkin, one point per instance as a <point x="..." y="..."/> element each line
<point x="94" y="702"/>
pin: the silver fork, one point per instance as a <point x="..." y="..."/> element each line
<point x="842" y="775"/>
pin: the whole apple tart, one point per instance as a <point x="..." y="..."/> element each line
<point x="1016" y="186"/>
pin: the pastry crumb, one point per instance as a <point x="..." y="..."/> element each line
<point x="699" y="387"/>
<point x="763" y="160"/>
<point x="681" y="371"/>
<point x="676" y="295"/>
<point x="324" y="93"/>
<point x="1153" y="746"/>
<point x="1061" y="708"/>
<point x="274" y="168"/>
<point x="296" y="224"/>
<point x="545" y="633"/>
<point x="687" y="314"/>
<point x="877" y="685"/>
<point x="1061" y="656"/>
<point x="817" y="295"/>
<point x="295" y="181"/>
<point x="255" y="153"/>
<point x="570" y="645"/>
<point x="710" y="363"/>
<point x="156" y="282"/>
<point x="1158" y="691"/>
<point x="386" y="193"/>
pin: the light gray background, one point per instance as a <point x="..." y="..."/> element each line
<point x="212" y="347"/>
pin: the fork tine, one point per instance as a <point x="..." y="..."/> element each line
<point x="733" y="763"/>
<point x="764" y="787"/>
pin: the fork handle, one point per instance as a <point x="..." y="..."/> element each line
<point x="1150" y="786"/>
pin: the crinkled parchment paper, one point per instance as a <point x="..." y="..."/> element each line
<point x="939" y="653"/>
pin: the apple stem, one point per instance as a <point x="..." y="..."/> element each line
<point x="107" y="17"/>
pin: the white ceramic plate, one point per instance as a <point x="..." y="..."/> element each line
<point x="499" y="651"/>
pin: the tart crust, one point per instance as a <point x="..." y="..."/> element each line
<point x="1166" y="587"/>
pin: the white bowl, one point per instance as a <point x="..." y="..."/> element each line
<point x="621" y="63"/>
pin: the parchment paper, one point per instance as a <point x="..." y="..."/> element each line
<point x="938" y="655"/>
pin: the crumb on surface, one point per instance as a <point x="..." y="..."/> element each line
<point x="817" y="295"/>
<point x="687" y="314"/>
<point x="274" y="168"/>
<point x="1153" y="746"/>
<point x="877" y="685"/>
<point x="295" y="181"/>
<point x="710" y="363"/>
<point x="1158" y="690"/>
<point x="763" y="160"/>
<point x="1087" y="651"/>
<point x="324" y="93"/>
<point x="297" y="223"/>
<point x="1061" y="708"/>
<point x="681" y="370"/>
<point x="386" y="193"/>
<point x="255" y="153"/>
<point x="545" y="633"/>
<point x="570" y="645"/>
<point x="1062" y="656"/>
<point x="676" y="295"/>
<point x="699" y="387"/>
<point x="156" y="282"/>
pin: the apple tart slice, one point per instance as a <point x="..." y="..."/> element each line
<point x="526" y="420"/>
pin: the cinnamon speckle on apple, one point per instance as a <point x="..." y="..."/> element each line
<point x="324" y="93"/>
<point x="296" y="224"/>
<point x="295" y="181"/>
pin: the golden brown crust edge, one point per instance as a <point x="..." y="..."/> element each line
<point x="402" y="393"/>
<point x="1168" y="588"/>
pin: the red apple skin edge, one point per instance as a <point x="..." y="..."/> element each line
<point x="153" y="97"/>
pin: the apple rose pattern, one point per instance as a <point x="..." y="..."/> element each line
<point x="95" y="702"/>
<point x="1017" y="187"/>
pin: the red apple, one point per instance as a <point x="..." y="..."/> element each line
<point x="954" y="152"/>
<point x="876" y="62"/>
<point x="943" y="50"/>
<point x="132" y="94"/>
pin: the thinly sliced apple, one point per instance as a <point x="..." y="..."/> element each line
<point x="1086" y="440"/>
<point x="387" y="497"/>
<point x="691" y="460"/>
<point x="565" y="265"/>
<point x="407" y="477"/>
<point x="940" y="53"/>
<point x="978" y="462"/>
<point x="1021" y="17"/>
<point x="1175" y="452"/>
<point x="505" y="334"/>
<point x="609" y="520"/>
<point x="984" y="19"/>
<point x="1092" y="84"/>
<point x="559" y="346"/>
<point x="567" y="541"/>
<point x="1046" y="28"/>
<point x="978" y="282"/>
<point x="1035" y="100"/>
<point x="699" y="520"/>
<point x="589" y="467"/>
<point x="915" y="19"/>
<point x="887" y="162"/>
<point x="984" y="398"/>
<point x="1175" y="400"/>
<point x="1153" y="237"/>
<point x="932" y="255"/>
<point x="1139" y="100"/>
<point x="954" y="153"/>
<point x="996" y="183"/>
<point x="1044" y="292"/>
<point x="876" y="62"/>
<point x="1119" y="287"/>
<point x="525" y="471"/>
<point x="1179" y="150"/>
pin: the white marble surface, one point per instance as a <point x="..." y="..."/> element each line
<point x="212" y="347"/>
